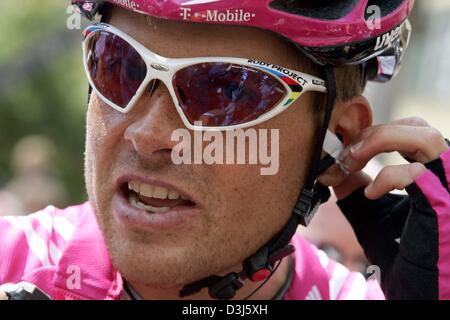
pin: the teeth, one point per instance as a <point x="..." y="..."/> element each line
<point x="146" y="190"/>
<point x="150" y="191"/>
<point x="133" y="185"/>
<point x="173" y="195"/>
<point x="137" y="204"/>
<point x="160" y="193"/>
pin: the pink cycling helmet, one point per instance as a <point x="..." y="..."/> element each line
<point x="373" y="33"/>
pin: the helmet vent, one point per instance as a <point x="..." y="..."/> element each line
<point x="317" y="9"/>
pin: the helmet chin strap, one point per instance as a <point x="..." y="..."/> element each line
<point x="260" y="265"/>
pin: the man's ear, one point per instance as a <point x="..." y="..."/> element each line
<point x="350" y="118"/>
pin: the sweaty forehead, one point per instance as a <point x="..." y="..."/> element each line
<point x="178" y="39"/>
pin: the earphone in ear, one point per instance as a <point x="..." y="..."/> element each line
<point x="334" y="148"/>
<point x="333" y="145"/>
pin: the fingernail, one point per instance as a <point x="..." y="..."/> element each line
<point x="344" y="168"/>
<point x="344" y="154"/>
<point x="367" y="189"/>
<point x="344" y="161"/>
<point x="356" y="147"/>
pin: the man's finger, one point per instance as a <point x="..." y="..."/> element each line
<point x="3" y="296"/>
<point x="411" y="121"/>
<point x="394" y="177"/>
<point x="423" y="144"/>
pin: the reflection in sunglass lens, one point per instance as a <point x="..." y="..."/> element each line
<point x="115" y="67"/>
<point x="224" y="94"/>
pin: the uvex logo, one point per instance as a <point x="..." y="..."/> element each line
<point x="386" y="39"/>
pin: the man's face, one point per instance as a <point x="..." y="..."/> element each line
<point x="235" y="209"/>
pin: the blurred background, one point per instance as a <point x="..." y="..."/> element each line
<point x="43" y="95"/>
<point x="42" y="107"/>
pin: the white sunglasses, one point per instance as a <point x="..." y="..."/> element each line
<point x="221" y="93"/>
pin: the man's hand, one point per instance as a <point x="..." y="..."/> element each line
<point x="412" y="137"/>
<point x="3" y="296"/>
<point x="405" y="236"/>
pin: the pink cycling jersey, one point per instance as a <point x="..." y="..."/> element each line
<point x="63" y="253"/>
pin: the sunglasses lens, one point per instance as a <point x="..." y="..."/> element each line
<point x="225" y="94"/>
<point x="115" y="68"/>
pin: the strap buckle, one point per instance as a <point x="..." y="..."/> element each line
<point x="309" y="201"/>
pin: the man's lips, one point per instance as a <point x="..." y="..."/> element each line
<point x="136" y="218"/>
<point x="167" y="207"/>
<point x="154" y="192"/>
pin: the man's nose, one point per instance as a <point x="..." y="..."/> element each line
<point x="155" y="118"/>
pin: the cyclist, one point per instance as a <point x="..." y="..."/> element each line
<point x="155" y="230"/>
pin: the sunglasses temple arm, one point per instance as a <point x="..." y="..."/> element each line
<point x="315" y="84"/>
